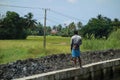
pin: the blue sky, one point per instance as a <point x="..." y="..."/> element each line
<point x="64" y="11"/>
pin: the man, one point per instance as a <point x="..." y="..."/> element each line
<point x="76" y="41"/>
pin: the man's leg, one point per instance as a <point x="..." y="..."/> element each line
<point x="80" y="62"/>
<point x="75" y="61"/>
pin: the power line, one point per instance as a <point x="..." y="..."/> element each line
<point x="56" y="12"/>
<point x="19" y="6"/>
<point x="51" y="20"/>
<point x="70" y="17"/>
<point x="56" y="18"/>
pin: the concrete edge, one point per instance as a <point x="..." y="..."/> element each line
<point x="66" y="70"/>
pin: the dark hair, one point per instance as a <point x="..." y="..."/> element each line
<point x="75" y="32"/>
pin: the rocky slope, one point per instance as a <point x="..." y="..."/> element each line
<point x="27" y="67"/>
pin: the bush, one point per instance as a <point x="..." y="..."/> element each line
<point x="115" y="35"/>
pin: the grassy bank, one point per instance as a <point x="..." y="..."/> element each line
<point x="11" y="50"/>
<point x="111" y="43"/>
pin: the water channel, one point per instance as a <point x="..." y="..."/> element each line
<point x="110" y="74"/>
<point x="116" y="78"/>
<point x="107" y="78"/>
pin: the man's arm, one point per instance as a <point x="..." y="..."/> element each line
<point x="80" y="41"/>
<point x="71" y="47"/>
<point x="71" y="44"/>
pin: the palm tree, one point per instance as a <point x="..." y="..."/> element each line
<point x="31" y="23"/>
<point x="79" y="25"/>
<point x="72" y="26"/>
<point x="99" y="16"/>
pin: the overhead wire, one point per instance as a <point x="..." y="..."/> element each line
<point x="51" y="20"/>
<point x="67" y="16"/>
<point x="19" y="6"/>
<point x="53" y="11"/>
<point x="64" y="19"/>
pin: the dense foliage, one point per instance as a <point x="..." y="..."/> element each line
<point x="99" y="27"/>
<point x="12" y="26"/>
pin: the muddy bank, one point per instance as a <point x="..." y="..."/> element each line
<point x="22" y="68"/>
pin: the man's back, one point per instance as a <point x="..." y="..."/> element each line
<point x="76" y="41"/>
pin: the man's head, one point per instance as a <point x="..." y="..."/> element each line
<point x="75" y="32"/>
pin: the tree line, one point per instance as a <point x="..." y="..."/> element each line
<point x="13" y="26"/>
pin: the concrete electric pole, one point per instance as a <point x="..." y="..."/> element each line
<point x="44" y="41"/>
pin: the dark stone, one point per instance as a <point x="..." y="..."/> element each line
<point x="21" y="68"/>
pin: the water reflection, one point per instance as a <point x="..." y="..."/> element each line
<point x="116" y="78"/>
<point x="99" y="78"/>
<point x="110" y="73"/>
<point x="110" y="77"/>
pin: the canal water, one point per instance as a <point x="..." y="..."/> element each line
<point x="115" y="78"/>
<point x="110" y="73"/>
<point x="109" y="76"/>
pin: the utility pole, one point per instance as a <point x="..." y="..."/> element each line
<point x="44" y="41"/>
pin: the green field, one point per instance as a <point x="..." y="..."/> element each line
<point x="11" y="50"/>
<point x="32" y="47"/>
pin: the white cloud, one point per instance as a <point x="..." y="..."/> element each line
<point x="72" y="1"/>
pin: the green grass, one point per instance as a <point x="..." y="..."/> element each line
<point x="32" y="47"/>
<point x="11" y="50"/>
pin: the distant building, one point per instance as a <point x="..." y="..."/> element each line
<point x="54" y="31"/>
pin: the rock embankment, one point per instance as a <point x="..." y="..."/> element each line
<point x="27" y="67"/>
